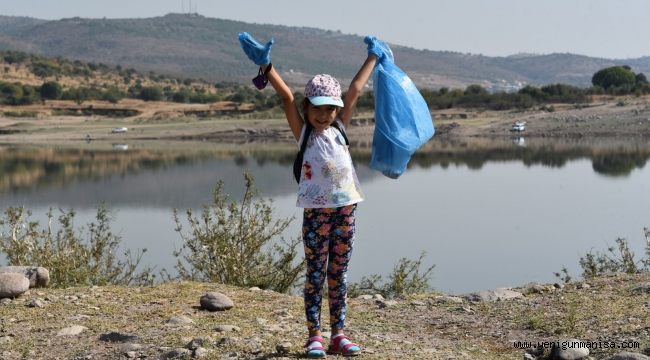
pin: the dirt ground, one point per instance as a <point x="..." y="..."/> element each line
<point x="605" y="117"/>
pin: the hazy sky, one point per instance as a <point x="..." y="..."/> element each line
<point x="602" y="28"/>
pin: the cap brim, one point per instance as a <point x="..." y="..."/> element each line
<point x="325" y="100"/>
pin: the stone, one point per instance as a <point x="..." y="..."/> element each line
<point x="574" y="350"/>
<point x="642" y="288"/>
<point x="499" y="294"/>
<point x="283" y="347"/>
<point x="114" y="336"/>
<point x="12" y="285"/>
<point x="180" y="320"/>
<point x="36" y="303"/>
<point x="214" y="301"/>
<point x="72" y="330"/>
<point x="38" y="276"/>
<point x="364" y="297"/>
<point x="626" y="355"/>
<point x="227" y="328"/>
<point x="418" y="303"/>
<point x="197" y="343"/>
<point x="449" y="299"/>
<point x="177" y="354"/>
<point x="201" y="353"/>
<point x="385" y="303"/>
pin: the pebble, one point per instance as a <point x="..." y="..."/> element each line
<point x="449" y="299"/>
<point x="499" y="294"/>
<point x="364" y="297"/>
<point x="36" y="303"/>
<point x="227" y="328"/>
<point x="180" y="320"/>
<point x="283" y="347"/>
<point x="385" y="303"/>
<point x="177" y="354"/>
<point x="214" y="301"/>
<point x="201" y="353"/>
<point x="72" y="330"/>
<point x="418" y="303"/>
<point x="642" y="288"/>
<point x="12" y="285"/>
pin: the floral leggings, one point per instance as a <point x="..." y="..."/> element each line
<point x="328" y="235"/>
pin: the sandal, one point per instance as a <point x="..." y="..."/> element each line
<point x="314" y="348"/>
<point x="341" y="345"/>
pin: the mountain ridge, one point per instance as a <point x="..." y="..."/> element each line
<point x="191" y="45"/>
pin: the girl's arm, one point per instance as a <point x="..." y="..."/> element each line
<point x="356" y="88"/>
<point x="290" y="110"/>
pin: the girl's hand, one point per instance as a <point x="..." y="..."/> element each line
<point x="258" y="53"/>
<point x="378" y="48"/>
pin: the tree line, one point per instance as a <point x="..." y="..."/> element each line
<point x="615" y="80"/>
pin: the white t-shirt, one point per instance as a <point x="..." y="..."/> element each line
<point x="327" y="177"/>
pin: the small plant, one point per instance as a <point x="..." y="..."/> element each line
<point x="405" y="279"/>
<point x="564" y="275"/>
<point x="232" y="243"/>
<point x="72" y="259"/>
<point x="616" y="259"/>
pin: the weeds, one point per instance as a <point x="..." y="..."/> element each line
<point x="232" y="243"/>
<point x="405" y="279"/>
<point x="84" y="256"/>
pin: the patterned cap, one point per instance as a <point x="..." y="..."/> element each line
<point x="323" y="89"/>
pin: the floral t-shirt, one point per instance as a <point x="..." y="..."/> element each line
<point x="327" y="178"/>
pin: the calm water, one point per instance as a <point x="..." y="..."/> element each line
<point x="485" y="220"/>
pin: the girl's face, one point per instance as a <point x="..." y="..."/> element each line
<point x="321" y="117"/>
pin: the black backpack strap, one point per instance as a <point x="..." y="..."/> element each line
<point x="339" y="127"/>
<point x="305" y="137"/>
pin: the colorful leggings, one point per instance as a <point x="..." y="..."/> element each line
<point x="328" y="235"/>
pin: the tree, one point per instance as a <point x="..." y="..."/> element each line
<point x="51" y="90"/>
<point x="614" y="76"/>
<point x="641" y="79"/>
<point x="152" y="93"/>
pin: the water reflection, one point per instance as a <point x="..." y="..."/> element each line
<point x="34" y="167"/>
<point x="480" y="209"/>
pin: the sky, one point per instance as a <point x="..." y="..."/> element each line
<point x="614" y="29"/>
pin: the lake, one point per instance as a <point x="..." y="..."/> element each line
<point x="487" y="215"/>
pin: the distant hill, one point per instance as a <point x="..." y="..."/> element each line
<point x="187" y="45"/>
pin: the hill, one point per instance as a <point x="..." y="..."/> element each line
<point x="190" y="45"/>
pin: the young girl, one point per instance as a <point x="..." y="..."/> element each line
<point x="328" y="189"/>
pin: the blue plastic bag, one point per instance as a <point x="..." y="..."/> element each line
<point x="403" y="122"/>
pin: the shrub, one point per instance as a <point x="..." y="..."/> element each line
<point x="232" y="243"/>
<point x="614" y="76"/>
<point x="153" y="93"/>
<point x="616" y="259"/>
<point x="405" y="279"/>
<point x="72" y="259"/>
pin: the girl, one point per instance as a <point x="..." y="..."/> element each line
<point x="328" y="188"/>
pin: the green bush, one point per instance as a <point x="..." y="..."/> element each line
<point x="72" y="258"/>
<point x="51" y="90"/>
<point x="405" y="279"/>
<point x="233" y="243"/>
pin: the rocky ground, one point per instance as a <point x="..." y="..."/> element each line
<point x="608" y="314"/>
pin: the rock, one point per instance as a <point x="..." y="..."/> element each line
<point x="254" y="288"/>
<point x="641" y="288"/>
<point x="583" y="286"/>
<point x="499" y="294"/>
<point x="625" y="355"/>
<point x="38" y="276"/>
<point x="131" y="354"/>
<point x="177" y="354"/>
<point x="131" y="348"/>
<point x="418" y="303"/>
<point x="558" y="285"/>
<point x="197" y="343"/>
<point x="12" y="285"/>
<point x="201" y="353"/>
<point x="180" y="320"/>
<point x="364" y="297"/>
<point x="283" y="347"/>
<point x="227" y="328"/>
<point x="446" y="299"/>
<point x="5" y="340"/>
<point x="117" y="337"/>
<point x="36" y="303"/>
<point x="574" y="350"/>
<point x="72" y="330"/>
<point x="5" y="301"/>
<point x="214" y="301"/>
<point x="385" y="303"/>
<point x="536" y="288"/>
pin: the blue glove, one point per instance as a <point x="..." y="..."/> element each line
<point x="258" y="53"/>
<point x="378" y="48"/>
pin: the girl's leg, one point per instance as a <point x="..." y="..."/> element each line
<point x="315" y="230"/>
<point x="340" y="251"/>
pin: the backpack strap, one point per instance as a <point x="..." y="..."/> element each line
<point x="338" y="127"/>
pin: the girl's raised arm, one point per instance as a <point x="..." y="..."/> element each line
<point x="356" y="88"/>
<point x="290" y="110"/>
